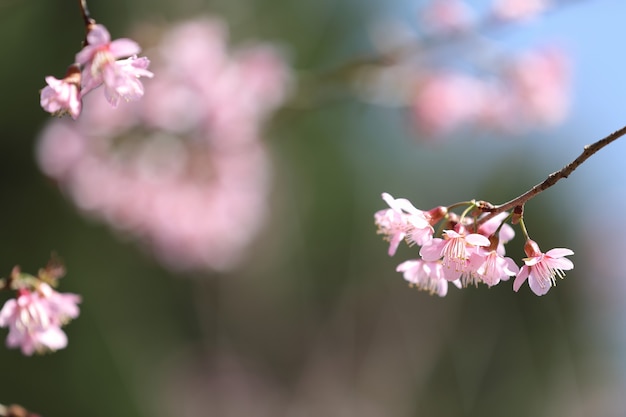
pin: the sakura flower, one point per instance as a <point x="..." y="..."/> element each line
<point x="100" y="61"/>
<point x="490" y="267"/>
<point x="184" y="171"/>
<point x="400" y="221"/>
<point x="455" y="249"/>
<point x="425" y="276"/>
<point x="62" y="96"/>
<point x="121" y="80"/>
<point x="542" y="269"/>
<point x="35" y="318"/>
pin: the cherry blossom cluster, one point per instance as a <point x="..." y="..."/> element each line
<point x="448" y="74"/>
<point x="16" y="410"/>
<point x="37" y="312"/>
<point x="113" y="64"/>
<point x="469" y="249"/>
<point x="184" y="171"/>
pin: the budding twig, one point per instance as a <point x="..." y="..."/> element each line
<point x="554" y="177"/>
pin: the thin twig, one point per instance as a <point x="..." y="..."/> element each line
<point x="84" y="11"/>
<point x="518" y="202"/>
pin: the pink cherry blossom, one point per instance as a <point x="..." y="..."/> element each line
<point x="454" y="250"/>
<point x="490" y="267"/>
<point x="542" y="269"/>
<point x="184" y="171"/>
<point x="425" y="276"/>
<point x="99" y="59"/>
<point x="505" y="234"/>
<point x="400" y="221"/>
<point x="61" y="96"/>
<point x="122" y="79"/>
<point x="35" y="318"/>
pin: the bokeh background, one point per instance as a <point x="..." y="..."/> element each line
<point x="315" y="321"/>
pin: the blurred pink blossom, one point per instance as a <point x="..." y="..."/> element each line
<point x="444" y="101"/>
<point x="531" y="90"/>
<point x="539" y="81"/>
<point x="518" y="9"/>
<point x="184" y="170"/>
<point x="61" y="96"/>
<point x="35" y="318"/>
<point x="445" y="16"/>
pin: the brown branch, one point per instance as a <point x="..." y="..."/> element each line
<point x="87" y="19"/>
<point x="518" y="202"/>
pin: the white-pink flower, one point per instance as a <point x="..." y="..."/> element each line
<point x="184" y="170"/>
<point x="542" y="269"/>
<point x="402" y="220"/>
<point x="35" y="318"/>
<point x="99" y="59"/>
<point x="61" y="96"/>
<point x="121" y="80"/>
<point x="490" y="267"/>
<point x="425" y="276"/>
<point x="454" y="250"/>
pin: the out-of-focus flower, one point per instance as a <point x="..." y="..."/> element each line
<point x="35" y="318"/>
<point x="447" y="88"/>
<point x="184" y="170"/>
<point x="62" y="96"/>
<point x="542" y="269"/>
<point x="518" y="9"/>
<point x="539" y="82"/>
<point x="445" y="101"/>
<point x="447" y="16"/>
<point x="532" y="90"/>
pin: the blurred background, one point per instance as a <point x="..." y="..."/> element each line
<point x="312" y="319"/>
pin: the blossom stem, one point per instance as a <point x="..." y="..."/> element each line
<point x="82" y="4"/>
<point x="518" y="202"/>
<point x="523" y="226"/>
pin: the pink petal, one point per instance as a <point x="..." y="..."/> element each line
<point x="54" y="338"/>
<point x="559" y="252"/>
<point x="394" y="243"/>
<point x="536" y="287"/>
<point x="560" y="263"/>
<point x="98" y="35"/>
<point x="431" y="251"/>
<point x="122" y="48"/>
<point x="520" y="278"/>
<point x="477" y="240"/>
